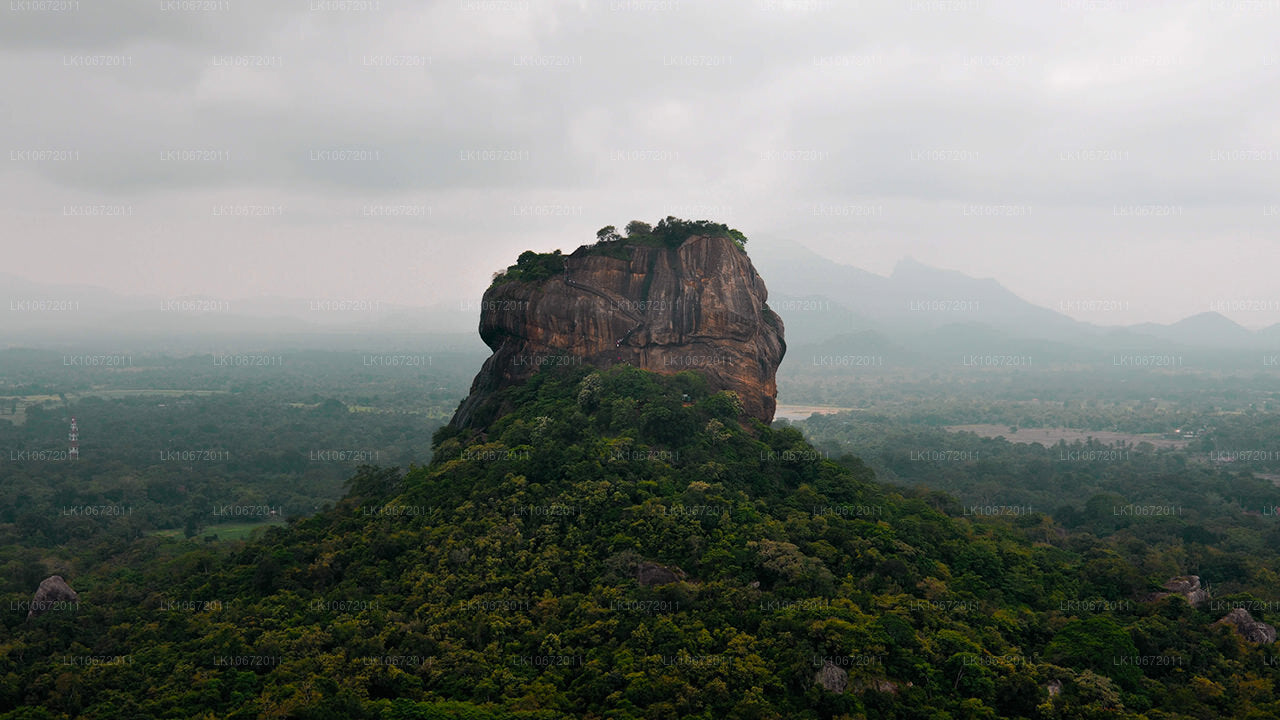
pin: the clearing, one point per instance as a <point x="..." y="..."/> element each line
<point x="1050" y="436"/>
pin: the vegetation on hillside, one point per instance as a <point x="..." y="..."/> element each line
<point x="532" y="267"/>
<point x="670" y="232"/>
<point x="504" y="580"/>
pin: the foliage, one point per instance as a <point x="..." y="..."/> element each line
<point x="608" y="233"/>
<point x="532" y="267"/>
<point x="502" y="579"/>
<point x="638" y="227"/>
<point x="672" y="231"/>
<point x="168" y="444"/>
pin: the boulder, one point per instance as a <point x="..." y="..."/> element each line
<point x="1256" y="632"/>
<point x="53" y="593"/>
<point x="832" y="678"/>
<point x="1188" y="586"/>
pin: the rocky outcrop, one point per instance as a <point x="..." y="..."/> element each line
<point x="832" y="678"/>
<point x="649" y="573"/>
<point x="1188" y="586"/>
<point x="54" y="593"/>
<point x="700" y="306"/>
<point x="1252" y="630"/>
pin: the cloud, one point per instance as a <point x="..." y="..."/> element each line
<point x="868" y="130"/>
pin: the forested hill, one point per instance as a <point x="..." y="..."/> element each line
<point x="626" y="544"/>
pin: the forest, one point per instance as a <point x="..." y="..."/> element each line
<point x="179" y="446"/>
<point x="625" y="544"/>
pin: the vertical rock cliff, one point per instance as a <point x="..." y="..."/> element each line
<point x="699" y="306"/>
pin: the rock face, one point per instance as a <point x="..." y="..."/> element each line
<point x="1188" y="586"/>
<point x="699" y="306"/>
<point x="1250" y="629"/>
<point x="52" y="594"/>
<point x="832" y="678"/>
<point x="649" y="573"/>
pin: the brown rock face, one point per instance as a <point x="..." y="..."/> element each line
<point x="700" y="306"/>
<point x="52" y="594"/>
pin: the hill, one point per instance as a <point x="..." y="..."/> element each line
<point x="608" y="549"/>
<point x="603" y="540"/>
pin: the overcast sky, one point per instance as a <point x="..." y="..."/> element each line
<point x="403" y="151"/>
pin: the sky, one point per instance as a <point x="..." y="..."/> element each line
<point x="1113" y="159"/>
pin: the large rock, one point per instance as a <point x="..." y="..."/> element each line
<point x="53" y="593"/>
<point x="1250" y="629"/>
<point x="1188" y="586"/>
<point x="650" y="573"/>
<point x="700" y="306"/>
<point x="832" y="678"/>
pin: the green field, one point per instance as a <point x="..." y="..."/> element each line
<point x="142" y="391"/>
<point x="19" y="416"/>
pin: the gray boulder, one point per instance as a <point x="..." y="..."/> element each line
<point x="1252" y="630"/>
<point x="53" y="593"/>
<point x="832" y="678"/>
<point x="1188" y="586"/>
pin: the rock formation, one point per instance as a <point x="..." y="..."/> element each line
<point x="52" y="594"/>
<point x="650" y="573"/>
<point x="699" y="306"/>
<point x="832" y="678"/>
<point x="1188" y="586"/>
<point x="1252" y="630"/>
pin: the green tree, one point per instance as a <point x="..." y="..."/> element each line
<point x="638" y="227"/>
<point x="1100" y="644"/>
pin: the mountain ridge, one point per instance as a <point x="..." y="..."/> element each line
<point x="861" y="300"/>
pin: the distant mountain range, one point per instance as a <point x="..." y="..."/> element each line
<point x="921" y="307"/>
<point x="823" y="303"/>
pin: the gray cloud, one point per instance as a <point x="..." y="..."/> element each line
<point x="865" y="130"/>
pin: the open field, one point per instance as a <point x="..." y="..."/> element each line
<point x="802" y="412"/>
<point x="107" y="394"/>
<point x="19" y="416"/>
<point x="1273" y="477"/>
<point x="1050" y="436"/>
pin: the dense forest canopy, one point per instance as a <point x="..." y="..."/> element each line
<point x="625" y="544"/>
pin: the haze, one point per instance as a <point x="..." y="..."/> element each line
<point x="388" y="151"/>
